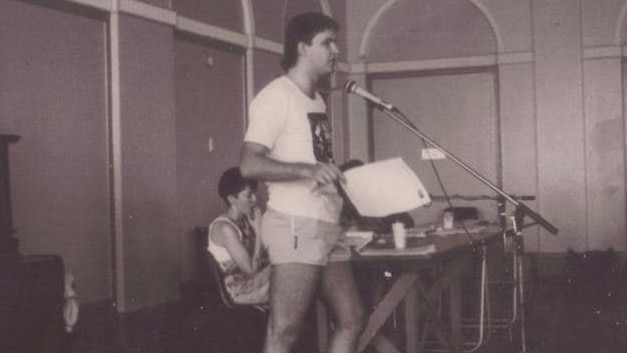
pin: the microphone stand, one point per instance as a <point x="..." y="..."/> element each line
<point x="395" y="114"/>
<point x="521" y="210"/>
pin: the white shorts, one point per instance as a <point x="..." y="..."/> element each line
<point x="294" y="239"/>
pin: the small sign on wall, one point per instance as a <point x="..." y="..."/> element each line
<point x="432" y="153"/>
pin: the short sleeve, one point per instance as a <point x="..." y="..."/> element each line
<point x="266" y="118"/>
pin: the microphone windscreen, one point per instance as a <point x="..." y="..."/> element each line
<point x="350" y="86"/>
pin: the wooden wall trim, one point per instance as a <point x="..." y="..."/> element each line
<point x="515" y="58"/>
<point x="445" y="63"/>
<point x="388" y="67"/>
<point x="268" y="45"/>
<point x="106" y="5"/>
<point x="202" y="29"/>
<point x="116" y="161"/>
<point x="146" y="11"/>
<point x="603" y="52"/>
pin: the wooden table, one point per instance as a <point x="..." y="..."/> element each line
<point x="445" y="262"/>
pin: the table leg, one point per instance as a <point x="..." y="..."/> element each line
<point x="384" y="309"/>
<point x="449" y="278"/>
<point x="382" y="344"/>
<point x="411" y="320"/>
<point x="455" y="313"/>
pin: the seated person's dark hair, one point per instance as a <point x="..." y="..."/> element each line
<point x="232" y="183"/>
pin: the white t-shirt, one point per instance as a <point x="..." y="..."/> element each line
<point x="295" y="128"/>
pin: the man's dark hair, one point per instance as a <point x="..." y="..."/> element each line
<point x="232" y="183"/>
<point x="301" y="29"/>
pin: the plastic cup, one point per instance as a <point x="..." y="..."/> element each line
<point x="400" y="235"/>
<point x="448" y="220"/>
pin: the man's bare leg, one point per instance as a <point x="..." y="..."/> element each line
<point x="340" y="293"/>
<point x="292" y="289"/>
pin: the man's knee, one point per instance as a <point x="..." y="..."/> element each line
<point x="354" y="323"/>
<point x="284" y="333"/>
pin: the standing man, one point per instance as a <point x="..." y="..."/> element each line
<point x="288" y="145"/>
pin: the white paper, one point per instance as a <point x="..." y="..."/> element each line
<point x="413" y="251"/>
<point x="358" y="239"/>
<point x="386" y="187"/>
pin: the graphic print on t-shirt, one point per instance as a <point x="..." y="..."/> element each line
<point x="321" y="136"/>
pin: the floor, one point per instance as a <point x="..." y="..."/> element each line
<point x="583" y="309"/>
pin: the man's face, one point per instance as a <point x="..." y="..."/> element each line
<point x="322" y="52"/>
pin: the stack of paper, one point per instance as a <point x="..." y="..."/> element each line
<point x="391" y="251"/>
<point x="382" y="188"/>
<point x="358" y="239"/>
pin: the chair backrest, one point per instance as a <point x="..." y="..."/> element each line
<point x="219" y="276"/>
<point x="209" y="267"/>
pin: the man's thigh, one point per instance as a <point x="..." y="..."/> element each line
<point x="340" y="291"/>
<point x="292" y="289"/>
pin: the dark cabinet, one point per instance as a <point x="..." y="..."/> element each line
<point x="31" y="287"/>
<point x="8" y="243"/>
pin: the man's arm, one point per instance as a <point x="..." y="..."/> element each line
<point x="256" y="164"/>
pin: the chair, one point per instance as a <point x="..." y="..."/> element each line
<point x="240" y="326"/>
<point x="210" y="269"/>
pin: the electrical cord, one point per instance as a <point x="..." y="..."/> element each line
<point x="446" y="196"/>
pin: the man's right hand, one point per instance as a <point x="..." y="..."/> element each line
<point x="327" y="173"/>
<point x="256" y="164"/>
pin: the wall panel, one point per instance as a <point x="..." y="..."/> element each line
<point x="560" y="123"/>
<point x="420" y="30"/>
<point x="53" y="94"/>
<point x="225" y="14"/>
<point x="266" y="67"/>
<point x="209" y="106"/>
<point x="518" y="139"/>
<point x="605" y="151"/>
<point x="271" y="16"/>
<point x="149" y="266"/>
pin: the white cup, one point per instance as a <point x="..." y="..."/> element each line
<point x="400" y="235"/>
<point x="448" y="220"/>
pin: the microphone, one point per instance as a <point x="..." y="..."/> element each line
<point x="351" y="87"/>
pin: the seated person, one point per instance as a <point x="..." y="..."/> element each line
<point x="234" y="243"/>
<point x="352" y="220"/>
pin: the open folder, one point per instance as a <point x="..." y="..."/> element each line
<point x="386" y="187"/>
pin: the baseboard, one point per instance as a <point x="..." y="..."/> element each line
<point x="553" y="264"/>
<point x="101" y="326"/>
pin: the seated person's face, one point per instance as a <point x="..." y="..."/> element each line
<point x="245" y="200"/>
